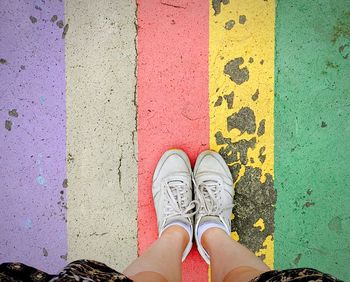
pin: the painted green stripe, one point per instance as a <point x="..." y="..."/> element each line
<point x="312" y="135"/>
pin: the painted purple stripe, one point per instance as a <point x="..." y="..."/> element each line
<point x="32" y="154"/>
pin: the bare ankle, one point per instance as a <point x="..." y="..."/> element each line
<point x="176" y="233"/>
<point x="211" y="236"/>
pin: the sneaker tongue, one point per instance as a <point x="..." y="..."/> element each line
<point x="175" y="182"/>
<point x="210" y="218"/>
<point x="210" y="181"/>
<point x="177" y="218"/>
<point x="207" y="178"/>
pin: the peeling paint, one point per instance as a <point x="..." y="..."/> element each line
<point x="65" y="30"/>
<point x="261" y="128"/>
<point x="8" y="125"/>
<point x="257" y="200"/>
<point x="237" y="75"/>
<point x="262" y="155"/>
<point x="33" y="19"/>
<point x="218" y="102"/>
<point x="243" y="120"/>
<point x="60" y="24"/>
<point x="54" y="18"/>
<point x="243" y="134"/>
<point x="297" y="259"/>
<point x="229" y="24"/>
<point x="242" y="19"/>
<point x="229" y="99"/>
<point x="216" y="5"/>
<point x="234" y="151"/>
<point x="13" y="113"/>
<point x="260" y="224"/>
<point x="255" y="96"/>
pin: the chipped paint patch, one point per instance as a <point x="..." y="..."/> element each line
<point x="241" y="125"/>
<point x="236" y="70"/>
<point x="266" y="252"/>
<point x="235" y="236"/>
<point x="13" y="113"/>
<point x="216" y="5"/>
<point x="8" y="125"/>
<point x="243" y="120"/>
<point x="229" y="24"/>
<point x="33" y="19"/>
<point x="260" y="224"/>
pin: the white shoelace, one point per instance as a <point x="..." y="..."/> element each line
<point x="208" y="193"/>
<point x="176" y="205"/>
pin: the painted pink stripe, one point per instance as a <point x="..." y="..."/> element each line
<point x="173" y="99"/>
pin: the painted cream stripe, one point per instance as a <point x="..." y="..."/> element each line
<point x="101" y="131"/>
<point x="241" y="95"/>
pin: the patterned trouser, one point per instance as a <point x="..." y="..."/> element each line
<point x="88" y="270"/>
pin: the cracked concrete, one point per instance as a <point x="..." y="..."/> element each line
<point x="101" y="131"/>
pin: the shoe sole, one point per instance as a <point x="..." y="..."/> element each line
<point x="166" y="155"/>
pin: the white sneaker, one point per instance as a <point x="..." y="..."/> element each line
<point x="214" y="192"/>
<point x="172" y="193"/>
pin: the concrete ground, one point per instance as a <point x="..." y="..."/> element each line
<point x="101" y="130"/>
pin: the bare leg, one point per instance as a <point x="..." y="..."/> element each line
<point x="162" y="261"/>
<point x="229" y="260"/>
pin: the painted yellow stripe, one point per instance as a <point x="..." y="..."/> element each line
<point x="243" y="32"/>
